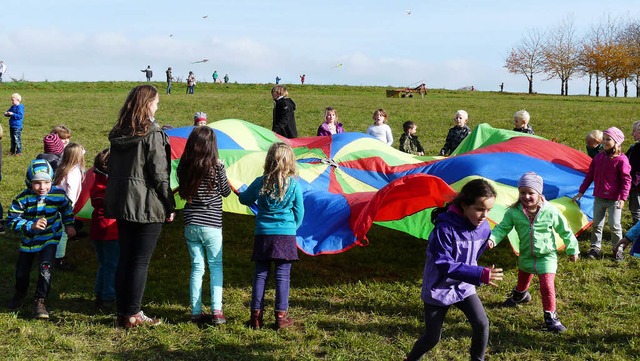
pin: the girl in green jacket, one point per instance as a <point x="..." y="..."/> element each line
<point x="536" y="222"/>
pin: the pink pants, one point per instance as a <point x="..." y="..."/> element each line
<point x="547" y="288"/>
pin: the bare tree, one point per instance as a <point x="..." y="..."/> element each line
<point x="562" y="53"/>
<point x="527" y="58"/>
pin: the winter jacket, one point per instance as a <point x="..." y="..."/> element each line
<point x="276" y="217"/>
<point x="102" y="228"/>
<point x="138" y="188"/>
<point x="611" y="177"/>
<point x="284" y="118"/>
<point x="410" y="144"/>
<point x="455" y="136"/>
<point x="451" y="270"/>
<point x="15" y="120"/>
<point x="633" y="154"/>
<point x="527" y="129"/>
<point x="323" y="129"/>
<point x="536" y="246"/>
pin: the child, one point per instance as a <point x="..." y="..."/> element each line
<point x="200" y="118"/>
<point x="593" y="142"/>
<point x="610" y="173"/>
<point x="330" y="125"/>
<point x="451" y="271"/>
<point x="15" y="113"/>
<point x="633" y="154"/>
<point x="69" y="177"/>
<point x="63" y="132"/>
<point x="280" y="212"/>
<point x="38" y="214"/>
<point x="53" y="148"/>
<point x="203" y="183"/>
<point x="379" y="129"/>
<point x="535" y="221"/>
<point x="409" y="142"/>
<point x="457" y="133"/>
<point x="284" y="118"/>
<point x="104" y="234"/>
<point x="632" y="236"/>
<point x="521" y="122"/>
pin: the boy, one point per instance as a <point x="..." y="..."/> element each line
<point x="457" y="133"/>
<point x="409" y="142"/>
<point x="200" y="118"/>
<point x="64" y="133"/>
<point x="593" y="142"/>
<point x="38" y="214"/>
<point x="53" y="148"/>
<point x="521" y="122"/>
<point x="15" y="113"/>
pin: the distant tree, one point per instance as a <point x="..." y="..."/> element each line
<point x="603" y="55"/>
<point x="562" y="54"/>
<point x="527" y="58"/>
<point x="630" y="39"/>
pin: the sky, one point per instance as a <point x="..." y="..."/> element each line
<point x="446" y="44"/>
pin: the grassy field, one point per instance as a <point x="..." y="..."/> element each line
<point x="360" y="305"/>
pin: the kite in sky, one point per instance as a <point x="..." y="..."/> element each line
<point x="200" y="61"/>
<point x="339" y="65"/>
<point x="350" y="182"/>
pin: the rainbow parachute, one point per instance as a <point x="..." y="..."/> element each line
<point x="352" y="180"/>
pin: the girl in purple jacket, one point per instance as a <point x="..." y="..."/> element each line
<point x="610" y="173"/>
<point x="451" y="271"/>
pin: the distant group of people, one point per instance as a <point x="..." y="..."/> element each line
<point x="191" y="79"/>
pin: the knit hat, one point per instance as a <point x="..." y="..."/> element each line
<point x="38" y="170"/>
<point x="53" y="144"/>
<point x="200" y="116"/>
<point x="531" y="180"/>
<point x="615" y="134"/>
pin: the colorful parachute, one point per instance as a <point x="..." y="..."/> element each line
<point x="352" y="180"/>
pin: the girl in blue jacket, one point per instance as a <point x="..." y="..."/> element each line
<point x="280" y="210"/>
<point x="451" y="271"/>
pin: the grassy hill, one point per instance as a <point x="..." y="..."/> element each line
<point x="360" y="305"/>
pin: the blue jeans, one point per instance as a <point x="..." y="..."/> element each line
<point x="168" y="87"/>
<point x="61" y="249"/>
<point x="282" y="274"/>
<point x="23" y="270"/>
<point x="16" y="140"/>
<point x="107" y="253"/>
<point x="600" y="207"/>
<point x="203" y="241"/>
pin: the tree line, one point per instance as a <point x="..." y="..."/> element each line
<point x="609" y="55"/>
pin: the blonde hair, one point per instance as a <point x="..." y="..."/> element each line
<point x="330" y="109"/>
<point x="597" y="133"/>
<point x="522" y="115"/>
<point x="463" y="113"/>
<point x="280" y="91"/>
<point x="16" y="96"/>
<point x="381" y="112"/>
<point x="72" y="156"/>
<point x="279" y="165"/>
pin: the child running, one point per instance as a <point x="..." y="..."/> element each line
<point x="203" y="183"/>
<point x="451" y="270"/>
<point x="280" y="212"/>
<point x="104" y="234"/>
<point x="610" y="172"/>
<point x="38" y="214"/>
<point x="69" y="177"/>
<point x="535" y="221"/>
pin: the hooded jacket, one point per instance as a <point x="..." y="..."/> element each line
<point x="451" y="270"/>
<point x="284" y="119"/>
<point x="138" y="188"/>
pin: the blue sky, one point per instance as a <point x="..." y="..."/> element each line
<point x="449" y="45"/>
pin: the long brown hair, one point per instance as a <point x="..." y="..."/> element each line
<point x="135" y="115"/>
<point x="72" y="156"/>
<point x="279" y="165"/>
<point x="198" y="160"/>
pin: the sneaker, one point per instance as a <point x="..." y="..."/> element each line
<point x="16" y="302"/>
<point x="218" y="317"/>
<point x="594" y="253"/>
<point x="139" y="319"/>
<point x="201" y="318"/>
<point x="619" y="256"/>
<point x="552" y="322"/>
<point x="40" y="311"/>
<point x="517" y="297"/>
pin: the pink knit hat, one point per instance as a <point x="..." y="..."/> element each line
<point x="615" y="134"/>
<point x="53" y="144"/>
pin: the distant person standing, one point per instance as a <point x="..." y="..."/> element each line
<point x="302" y="78"/>
<point x="15" y="113"/>
<point x="191" y="82"/>
<point x="215" y="76"/>
<point x="3" y="69"/>
<point x="278" y="80"/>
<point x="169" y="80"/>
<point x="226" y="78"/>
<point x="148" y="72"/>
<point x="501" y="87"/>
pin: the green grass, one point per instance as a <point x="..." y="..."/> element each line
<point x="360" y="305"/>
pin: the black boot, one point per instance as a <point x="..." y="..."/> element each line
<point x="517" y="297"/>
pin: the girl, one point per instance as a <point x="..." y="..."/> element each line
<point x="451" y="271"/>
<point x="280" y="212"/>
<point x="379" y="129"/>
<point x="284" y="118"/>
<point x="610" y="172"/>
<point x="203" y="183"/>
<point x="535" y="221"/>
<point x="69" y="176"/>
<point x="138" y="196"/>
<point x="331" y="125"/>
<point x="104" y="234"/>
